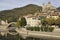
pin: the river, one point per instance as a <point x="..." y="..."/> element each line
<point x="17" y="37"/>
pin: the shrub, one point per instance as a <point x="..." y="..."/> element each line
<point x="37" y="28"/>
<point x="51" y="29"/>
<point x="30" y="28"/>
<point x="46" y="29"/>
<point x="33" y="28"/>
<point x="42" y="28"/>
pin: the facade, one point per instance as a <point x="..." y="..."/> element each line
<point x="55" y="17"/>
<point x="47" y="11"/>
<point x="33" y="21"/>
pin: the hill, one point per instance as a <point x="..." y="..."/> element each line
<point x="13" y="15"/>
<point x="58" y="8"/>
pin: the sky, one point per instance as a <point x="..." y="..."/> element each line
<point x="10" y="4"/>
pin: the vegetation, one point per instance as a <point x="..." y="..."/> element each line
<point x="42" y="28"/>
<point x="44" y="22"/>
<point x="58" y="8"/>
<point x="23" y="22"/>
<point x="51" y="29"/>
<point x="33" y="28"/>
<point x="14" y="14"/>
<point x="47" y="29"/>
<point x="18" y="23"/>
<point x="50" y="21"/>
<point x="57" y="22"/>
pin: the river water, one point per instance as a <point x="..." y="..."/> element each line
<point x="17" y="37"/>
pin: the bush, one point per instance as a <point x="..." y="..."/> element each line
<point x="51" y="29"/>
<point x="37" y="28"/>
<point x="42" y="28"/>
<point x="30" y="28"/>
<point x="33" y="28"/>
<point x="46" y="29"/>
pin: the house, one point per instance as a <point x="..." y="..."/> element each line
<point x="48" y="11"/>
<point x="55" y="17"/>
<point x="33" y="20"/>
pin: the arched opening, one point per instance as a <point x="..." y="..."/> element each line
<point x="12" y="28"/>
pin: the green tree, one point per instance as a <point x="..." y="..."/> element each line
<point x="51" y="29"/>
<point x="12" y="19"/>
<point x="23" y="22"/>
<point x="18" y="23"/>
<point x="50" y="21"/>
<point x="57" y="22"/>
<point x="44" y="22"/>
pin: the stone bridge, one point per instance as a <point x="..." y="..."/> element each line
<point x="55" y="35"/>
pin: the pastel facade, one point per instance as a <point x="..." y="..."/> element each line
<point x="32" y="21"/>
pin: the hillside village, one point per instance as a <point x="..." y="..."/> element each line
<point x="48" y="10"/>
<point x="30" y="22"/>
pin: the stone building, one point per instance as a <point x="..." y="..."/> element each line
<point x="47" y="7"/>
<point x="48" y="11"/>
<point x="32" y="20"/>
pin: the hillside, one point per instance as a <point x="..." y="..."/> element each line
<point x="58" y="8"/>
<point x="13" y="15"/>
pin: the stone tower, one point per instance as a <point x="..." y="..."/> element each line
<point x="47" y="7"/>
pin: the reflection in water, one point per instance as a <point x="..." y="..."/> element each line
<point x="17" y="37"/>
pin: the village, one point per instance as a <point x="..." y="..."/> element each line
<point x="38" y="21"/>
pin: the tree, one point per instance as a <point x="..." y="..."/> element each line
<point x="50" y="21"/>
<point x="12" y="19"/>
<point x="18" y="23"/>
<point x="23" y="22"/>
<point x="51" y="29"/>
<point x="57" y="22"/>
<point x="43" y="21"/>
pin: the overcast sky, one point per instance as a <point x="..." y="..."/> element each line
<point x="10" y="4"/>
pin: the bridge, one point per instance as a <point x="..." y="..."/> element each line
<point x="55" y="35"/>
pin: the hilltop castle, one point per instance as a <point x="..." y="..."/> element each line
<point x="47" y="7"/>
